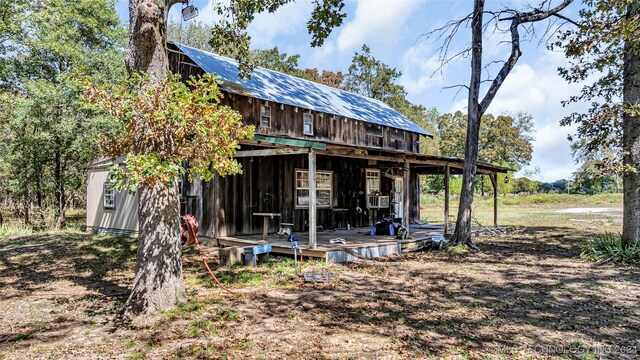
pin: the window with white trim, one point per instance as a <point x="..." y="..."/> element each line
<point x="324" y="188"/>
<point x="308" y="124"/>
<point x="109" y="196"/>
<point x="373" y="181"/>
<point x="265" y="116"/>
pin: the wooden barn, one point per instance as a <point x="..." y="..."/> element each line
<point x="325" y="162"/>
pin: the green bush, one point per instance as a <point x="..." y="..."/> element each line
<point x="609" y="248"/>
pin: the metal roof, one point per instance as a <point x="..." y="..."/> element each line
<point x="281" y="88"/>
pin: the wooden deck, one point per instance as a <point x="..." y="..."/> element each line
<point x="358" y="243"/>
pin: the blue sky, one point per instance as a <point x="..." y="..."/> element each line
<point x="393" y="29"/>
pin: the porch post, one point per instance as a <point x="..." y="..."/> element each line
<point x="312" y="200"/>
<point x="494" y="182"/>
<point x="446" y="199"/>
<point x="407" y="197"/>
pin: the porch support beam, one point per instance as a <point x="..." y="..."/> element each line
<point x="494" y="182"/>
<point x="313" y="235"/>
<point x="271" y="152"/>
<point x="447" y="171"/>
<point x="406" y="202"/>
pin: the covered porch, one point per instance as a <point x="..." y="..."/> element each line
<point x="326" y="191"/>
<point x="358" y="243"/>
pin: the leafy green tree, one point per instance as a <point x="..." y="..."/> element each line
<point x="330" y="78"/>
<point x="195" y="34"/>
<point x="526" y="185"/>
<point x="605" y="45"/>
<point x="275" y="60"/>
<point x="504" y="139"/>
<point x="159" y="284"/>
<point x="45" y="130"/>
<point x="159" y="126"/>
<point x="370" y="77"/>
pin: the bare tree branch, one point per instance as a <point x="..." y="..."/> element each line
<point x="516" y="21"/>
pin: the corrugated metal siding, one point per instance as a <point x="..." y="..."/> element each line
<point x="339" y="256"/>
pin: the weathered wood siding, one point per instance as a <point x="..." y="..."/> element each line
<point x="287" y="121"/>
<point x="268" y="185"/>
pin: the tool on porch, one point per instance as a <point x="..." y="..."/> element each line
<point x="295" y="247"/>
<point x="190" y="224"/>
<point x="285" y="229"/>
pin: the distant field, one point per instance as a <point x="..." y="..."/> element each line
<point x="536" y="210"/>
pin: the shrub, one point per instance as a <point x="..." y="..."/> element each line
<point x="609" y="248"/>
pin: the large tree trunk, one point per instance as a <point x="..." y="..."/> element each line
<point x="631" y="140"/>
<point x="159" y="283"/>
<point x="147" y="51"/>
<point x="462" y="232"/>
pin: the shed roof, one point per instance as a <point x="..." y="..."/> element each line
<point x="281" y="88"/>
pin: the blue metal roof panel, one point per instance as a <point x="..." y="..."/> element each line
<point x="281" y="88"/>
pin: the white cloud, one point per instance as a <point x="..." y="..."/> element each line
<point x="289" y="19"/>
<point x="420" y="69"/>
<point x="537" y="88"/>
<point x="552" y="152"/>
<point x="375" y="20"/>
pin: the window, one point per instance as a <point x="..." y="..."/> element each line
<point x="324" y="181"/>
<point x="373" y="130"/>
<point x="373" y="181"/>
<point x="396" y="134"/>
<point x="109" y="196"/>
<point x="265" y="116"/>
<point x="308" y="124"/>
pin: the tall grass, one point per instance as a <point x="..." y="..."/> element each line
<point x="7" y="230"/>
<point x="610" y="248"/>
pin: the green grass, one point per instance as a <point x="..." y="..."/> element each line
<point x="202" y="326"/>
<point x="534" y="199"/>
<point x="15" y="230"/>
<point x="136" y="355"/>
<point x="185" y="310"/>
<point x="610" y="248"/>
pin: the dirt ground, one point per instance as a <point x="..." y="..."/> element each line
<point x="523" y="296"/>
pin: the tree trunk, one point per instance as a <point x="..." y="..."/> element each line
<point x="26" y="204"/>
<point x="58" y="218"/>
<point x="462" y="232"/>
<point x="147" y="51"/>
<point x="39" y="198"/>
<point x="158" y="283"/>
<point x="631" y="139"/>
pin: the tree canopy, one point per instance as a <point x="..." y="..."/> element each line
<point x="49" y="48"/>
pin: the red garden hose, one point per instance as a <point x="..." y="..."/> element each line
<point x="195" y="237"/>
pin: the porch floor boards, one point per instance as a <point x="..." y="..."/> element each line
<point x="358" y="240"/>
